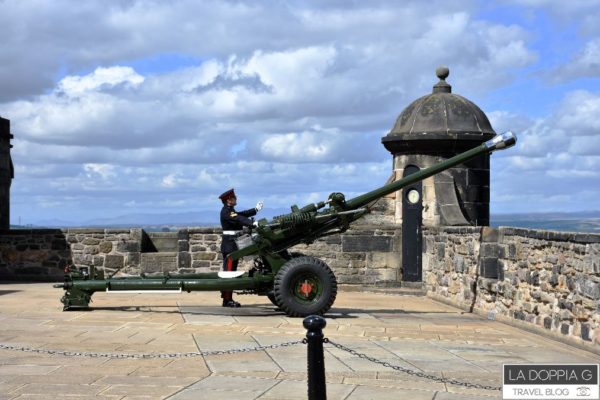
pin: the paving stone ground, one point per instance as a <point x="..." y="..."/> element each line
<point x="405" y="330"/>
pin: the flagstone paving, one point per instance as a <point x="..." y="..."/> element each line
<point x="408" y="331"/>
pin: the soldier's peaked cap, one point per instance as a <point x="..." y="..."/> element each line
<point x="228" y="194"/>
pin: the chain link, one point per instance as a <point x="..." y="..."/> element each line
<point x="410" y="371"/>
<point x="145" y="355"/>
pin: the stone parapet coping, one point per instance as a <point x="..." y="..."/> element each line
<point x="578" y="237"/>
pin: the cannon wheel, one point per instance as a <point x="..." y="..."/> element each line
<point x="305" y="286"/>
<point x="271" y="296"/>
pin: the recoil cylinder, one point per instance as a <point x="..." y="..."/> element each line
<point x="293" y="220"/>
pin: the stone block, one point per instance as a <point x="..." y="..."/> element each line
<point x="77" y="247"/>
<point x="383" y="260"/>
<point x="128" y="246"/>
<point x="333" y="239"/>
<point x="204" y="256"/>
<point x="184" y="260"/>
<point x="428" y="244"/>
<point x="90" y="241"/>
<point x="105" y="247"/>
<point x="83" y="259"/>
<point x="114" y="261"/>
<point x="512" y="251"/>
<point x="586" y="332"/>
<point x="357" y="243"/>
<point x="488" y="268"/>
<point x="133" y="259"/>
<point x="520" y="315"/>
<point x="553" y="280"/>
<point x="183" y="234"/>
<point x="183" y="245"/>
<point x="90" y="250"/>
<point x="459" y="264"/>
<point x="490" y="235"/>
<point x="440" y="251"/>
<point x="592" y="259"/>
<point x="552" y="259"/>
<point x="489" y="250"/>
<point x="58" y="244"/>
<point x="565" y="315"/>
<point x="512" y="278"/>
<point x="200" y="264"/>
<point x="591" y="289"/>
<point x="136" y="235"/>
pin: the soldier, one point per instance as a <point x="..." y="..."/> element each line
<point x="232" y="223"/>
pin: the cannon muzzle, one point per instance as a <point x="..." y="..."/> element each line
<point x="504" y="141"/>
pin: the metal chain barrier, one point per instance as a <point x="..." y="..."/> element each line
<point x="410" y="371"/>
<point x="145" y="355"/>
<point x="89" y="354"/>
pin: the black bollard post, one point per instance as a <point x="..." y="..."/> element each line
<point x="316" y="363"/>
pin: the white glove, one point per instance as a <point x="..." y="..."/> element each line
<point x="255" y="224"/>
<point x="259" y="206"/>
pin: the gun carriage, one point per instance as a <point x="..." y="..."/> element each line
<point x="299" y="285"/>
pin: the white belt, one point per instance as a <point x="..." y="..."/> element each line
<point x="232" y="232"/>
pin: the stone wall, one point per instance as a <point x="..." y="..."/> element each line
<point x="43" y="254"/>
<point x="33" y="254"/>
<point x="549" y="281"/>
<point x="366" y="255"/>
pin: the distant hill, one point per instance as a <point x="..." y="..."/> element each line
<point x="585" y="221"/>
<point x="149" y="221"/>
<point x="588" y="221"/>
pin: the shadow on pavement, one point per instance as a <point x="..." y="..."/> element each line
<point x="3" y="292"/>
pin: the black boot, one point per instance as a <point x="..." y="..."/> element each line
<point x="231" y="303"/>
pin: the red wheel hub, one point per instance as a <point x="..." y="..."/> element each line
<point x="306" y="288"/>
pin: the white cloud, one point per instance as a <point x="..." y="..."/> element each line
<point x="104" y="171"/>
<point x="585" y="64"/>
<point x="286" y="101"/>
<point x="101" y="78"/>
<point x="579" y="114"/>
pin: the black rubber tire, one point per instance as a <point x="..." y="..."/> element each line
<point x="271" y="296"/>
<point x="287" y="278"/>
<point x="295" y="254"/>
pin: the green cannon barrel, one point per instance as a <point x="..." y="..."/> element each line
<point x="499" y="142"/>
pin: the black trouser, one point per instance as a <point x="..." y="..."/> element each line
<point x="228" y="246"/>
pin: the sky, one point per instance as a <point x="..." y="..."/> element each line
<point x="125" y="107"/>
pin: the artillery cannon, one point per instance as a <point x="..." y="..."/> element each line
<point x="299" y="285"/>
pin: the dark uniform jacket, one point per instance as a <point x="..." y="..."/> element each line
<point x="232" y="220"/>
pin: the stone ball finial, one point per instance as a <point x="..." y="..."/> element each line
<point x="442" y="72"/>
<point x="442" y="86"/>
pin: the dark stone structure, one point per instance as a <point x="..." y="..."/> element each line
<point x="431" y="129"/>
<point x="7" y="172"/>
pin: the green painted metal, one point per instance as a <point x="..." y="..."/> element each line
<point x="268" y="244"/>
<point x="306" y="224"/>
